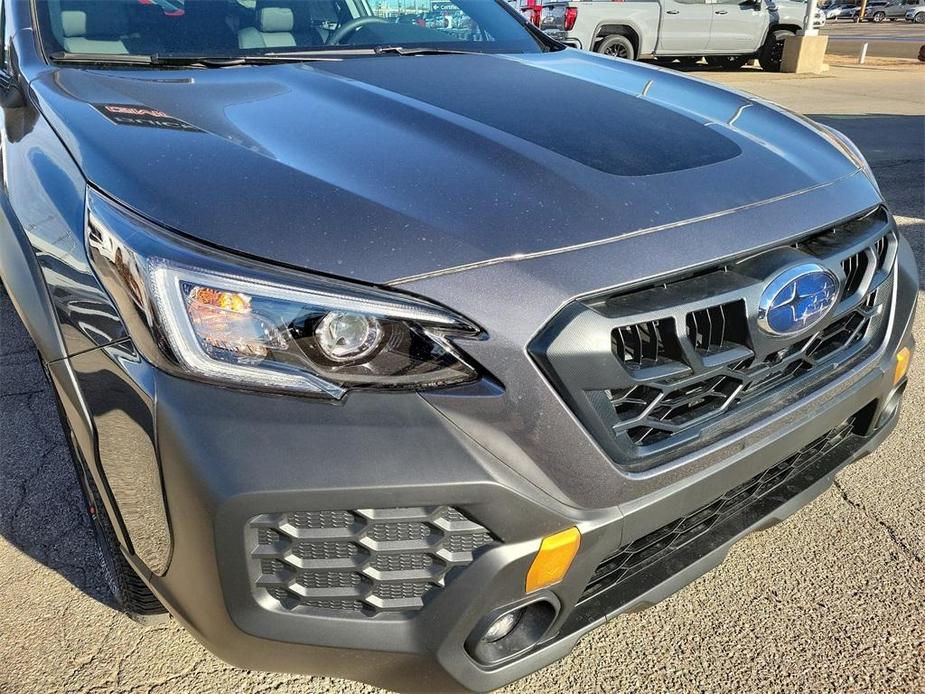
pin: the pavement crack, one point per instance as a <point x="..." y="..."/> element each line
<point x="125" y="657"/>
<point x="82" y="662"/>
<point x="905" y="549"/>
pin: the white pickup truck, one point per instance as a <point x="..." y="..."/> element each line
<point x="725" y="32"/>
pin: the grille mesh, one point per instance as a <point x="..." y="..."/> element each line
<point x="361" y="562"/>
<point x="665" y="407"/>
<point x="687" y="361"/>
<point x="637" y="556"/>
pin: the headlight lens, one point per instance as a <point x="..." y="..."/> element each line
<point x="220" y="318"/>
<point x="348" y="336"/>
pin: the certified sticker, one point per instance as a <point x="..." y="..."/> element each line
<point x="144" y="117"/>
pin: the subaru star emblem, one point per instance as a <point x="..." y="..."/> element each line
<point x="797" y="299"/>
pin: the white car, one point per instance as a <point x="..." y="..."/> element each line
<point x="840" y="10"/>
<point x="819" y="17"/>
<point x="916" y="15"/>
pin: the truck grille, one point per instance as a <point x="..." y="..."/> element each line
<point x="652" y="370"/>
<point x="361" y="562"/>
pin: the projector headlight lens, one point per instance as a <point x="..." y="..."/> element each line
<point x="348" y="336"/>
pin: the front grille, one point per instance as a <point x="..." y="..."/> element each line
<point x="661" y="408"/>
<point x="632" y="569"/>
<point x="656" y="369"/>
<point x="647" y="550"/>
<point x="362" y="562"/>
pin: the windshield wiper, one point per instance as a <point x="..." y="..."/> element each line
<point x="218" y="61"/>
<point x="426" y="50"/>
<point x="350" y="51"/>
<point x="232" y="60"/>
<point x="203" y="61"/>
<point x="101" y="58"/>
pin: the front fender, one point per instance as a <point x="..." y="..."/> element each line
<point x="23" y="282"/>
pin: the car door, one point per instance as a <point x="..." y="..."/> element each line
<point x="898" y="10"/>
<point x="685" y="27"/>
<point x="738" y="26"/>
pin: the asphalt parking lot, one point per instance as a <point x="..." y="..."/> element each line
<point x="833" y="600"/>
<point x="899" y="39"/>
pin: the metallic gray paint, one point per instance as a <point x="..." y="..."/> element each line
<point x="119" y="390"/>
<point x="225" y="455"/>
<point x="360" y="162"/>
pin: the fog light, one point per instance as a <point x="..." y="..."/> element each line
<point x="502" y="626"/>
<point x="348" y="336"/>
<point x="553" y="560"/>
<point x="903" y="359"/>
<point x="512" y="630"/>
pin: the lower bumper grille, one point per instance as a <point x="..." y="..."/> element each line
<point x="361" y="562"/>
<point x="680" y="543"/>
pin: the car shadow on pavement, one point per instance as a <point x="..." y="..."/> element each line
<point x="41" y="505"/>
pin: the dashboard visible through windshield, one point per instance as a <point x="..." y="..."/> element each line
<point x="227" y="29"/>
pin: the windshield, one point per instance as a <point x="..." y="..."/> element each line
<point x="240" y="28"/>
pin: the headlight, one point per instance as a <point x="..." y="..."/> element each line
<point x="209" y="315"/>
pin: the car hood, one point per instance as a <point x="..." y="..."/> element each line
<point x="391" y="167"/>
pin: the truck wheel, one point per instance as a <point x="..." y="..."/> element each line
<point x="131" y="594"/>
<point x="729" y="62"/>
<point x="772" y="53"/>
<point x="878" y="17"/>
<point x="617" y="46"/>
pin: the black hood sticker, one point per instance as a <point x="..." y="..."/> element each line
<point x="143" y="116"/>
<point x="595" y="125"/>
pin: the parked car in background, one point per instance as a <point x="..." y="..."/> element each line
<point x="727" y="33"/>
<point x="841" y="9"/>
<point x="819" y="18"/>
<point x="876" y="10"/>
<point x="916" y="14"/>
<point x="881" y="10"/>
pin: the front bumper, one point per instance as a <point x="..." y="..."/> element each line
<point x="227" y="457"/>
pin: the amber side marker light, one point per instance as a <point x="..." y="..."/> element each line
<point x="903" y="358"/>
<point x="554" y="559"/>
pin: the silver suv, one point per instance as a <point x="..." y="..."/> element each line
<point x="880" y="10"/>
<point x="916" y="14"/>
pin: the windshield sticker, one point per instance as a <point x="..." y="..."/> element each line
<point x="142" y="116"/>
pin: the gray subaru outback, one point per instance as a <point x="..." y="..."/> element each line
<point x="395" y="341"/>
